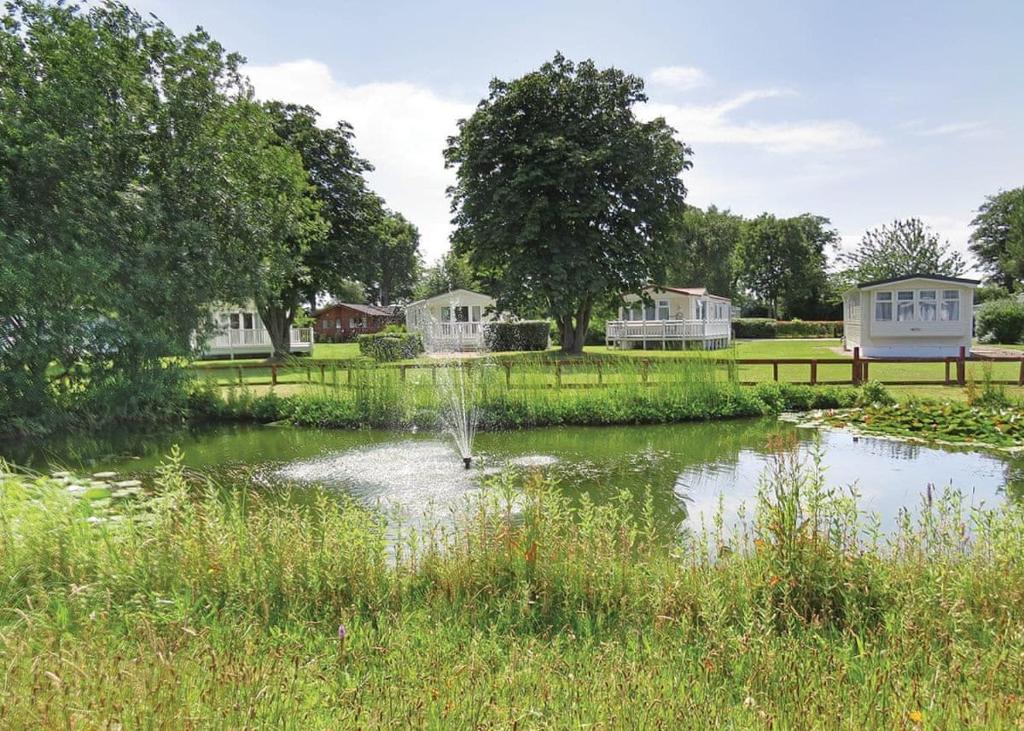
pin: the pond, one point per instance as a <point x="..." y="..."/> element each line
<point x="691" y="470"/>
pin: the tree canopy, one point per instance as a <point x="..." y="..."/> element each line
<point x="391" y="264"/>
<point x="562" y="195"/>
<point x="704" y="248"/>
<point x="901" y="248"/>
<point x="998" y="237"/>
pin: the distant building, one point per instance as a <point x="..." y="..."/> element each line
<point x="916" y="316"/>
<point x="239" y="333"/>
<point x="676" y="317"/>
<point x="343" y="321"/>
<point x="452" y="320"/>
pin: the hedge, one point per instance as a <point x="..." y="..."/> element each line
<point x="763" y="327"/>
<point x="1001" y="321"/>
<point x="521" y="335"/>
<point x="387" y="346"/>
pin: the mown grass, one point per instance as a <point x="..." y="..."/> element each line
<point x="203" y="607"/>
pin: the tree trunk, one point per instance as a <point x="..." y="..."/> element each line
<point x="278" y="321"/>
<point x="572" y="329"/>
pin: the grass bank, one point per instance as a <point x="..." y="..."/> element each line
<point x="629" y="393"/>
<point x="198" y="607"/>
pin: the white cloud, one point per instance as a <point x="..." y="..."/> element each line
<point x="955" y="128"/>
<point x="679" y="78"/>
<point x="714" y="124"/>
<point x="401" y="128"/>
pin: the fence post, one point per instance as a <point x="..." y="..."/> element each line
<point x="508" y="375"/>
<point x="558" y="374"/>
<point x="814" y="372"/>
<point x="948" y="380"/>
<point x="775" y="371"/>
<point x="856" y="366"/>
<point x="961" y="366"/>
<point x="323" y="375"/>
<point x="309" y="373"/>
<point x="334" y="374"/>
<point x="401" y="373"/>
<point x="1020" y="378"/>
<point x="644" y="366"/>
<point x="240" y="382"/>
<point x="273" y="374"/>
<point x="600" y="373"/>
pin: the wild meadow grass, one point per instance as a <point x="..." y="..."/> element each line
<point x="202" y="606"/>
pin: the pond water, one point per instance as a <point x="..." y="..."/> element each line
<point x="689" y="469"/>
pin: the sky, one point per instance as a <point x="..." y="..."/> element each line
<point x="862" y="112"/>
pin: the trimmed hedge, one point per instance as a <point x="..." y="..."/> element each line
<point x="763" y="327"/>
<point x="521" y="335"/>
<point x="388" y="346"/>
<point x="1001" y="321"/>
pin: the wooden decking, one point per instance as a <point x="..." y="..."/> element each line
<point x="712" y="334"/>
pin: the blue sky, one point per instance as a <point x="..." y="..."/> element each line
<point x="858" y="111"/>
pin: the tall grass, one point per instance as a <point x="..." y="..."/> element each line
<point x="205" y="607"/>
<point x="620" y="392"/>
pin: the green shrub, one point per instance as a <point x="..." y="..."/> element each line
<point x="762" y="327"/>
<point x="522" y="335"/>
<point x="389" y="346"/>
<point x="1001" y="321"/>
<point x="875" y="393"/>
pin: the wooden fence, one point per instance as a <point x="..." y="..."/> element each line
<point x="340" y="373"/>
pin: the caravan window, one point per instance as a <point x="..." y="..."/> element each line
<point x="883" y="306"/>
<point x="926" y="305"/>
<point x="446" y="314"/>
<point x="950" y="305"/>
<point x="663" y="313"/>
<point x="905" y="306"/>
<point x="476" y="313"/>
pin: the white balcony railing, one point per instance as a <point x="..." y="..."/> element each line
<point x="658" y="330"/>
<point x="301" y="338"/>
<point x="453" y="335"/>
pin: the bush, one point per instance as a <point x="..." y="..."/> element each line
<point x="522" y="335"/>
<point x="388" y="346"/>
<point x="762" y="327"/>
<point x="1001" y="321"/>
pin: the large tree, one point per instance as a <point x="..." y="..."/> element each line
<point x="391" y="262"/>
<point x="452" y="272"/>
<point x="313" y="256"/>
<point x="998" y="237"/>
<point x="704" y="248"/>
<point x="562" y="195"/>
<point x="119" y="142"/>
<point x="902" y="248"/>
<point x="780" y="262"/>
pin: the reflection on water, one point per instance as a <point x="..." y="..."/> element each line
<point x="687" y="469"/>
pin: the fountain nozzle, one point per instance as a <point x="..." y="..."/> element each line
<point x="467" y="461"/>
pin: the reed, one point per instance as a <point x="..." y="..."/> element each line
<point x="205" y="605"/>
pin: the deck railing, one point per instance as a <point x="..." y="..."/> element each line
<point x="251" y="337"/>
<point x="656" y="330"/>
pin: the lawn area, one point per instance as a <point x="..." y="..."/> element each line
<point x="608" y="366"/>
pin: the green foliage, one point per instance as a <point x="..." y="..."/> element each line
<point x="903" y="248"/>
<point x="451" y="273"/>
<point x="392" y="263"/>
<point x="780" y="262"/>
<point x="391" y="346"/>
<point x="803" y="614"/>
<point x="997" y="425"/>
<point x="763" y="327"/>
<point x="562" y="196"/>
<point x="998" y="237"/>
<point x="521" y="335"/>
<point x="1001" y="321"/>
<point x="120" y="218"/>
<point x="704" y="250"/>
<point x="874" y="393"/>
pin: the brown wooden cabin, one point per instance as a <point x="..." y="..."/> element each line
<point x="343" y="321"/>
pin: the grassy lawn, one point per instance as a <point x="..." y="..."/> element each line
<point x="608" y="366"/>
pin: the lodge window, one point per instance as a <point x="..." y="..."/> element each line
<point x="904" y="306"/>
<point x="355" y="322"/>
<point x="663" y="312"/>
<point x="926" y="305"/>
<point x="446" y="314"/>
<point x="883" y="306"/>
<point x="462" y="314"/>
<point x="337" y="323"/>
<point x="950" y="311"/>
<point x="476" y="313"/>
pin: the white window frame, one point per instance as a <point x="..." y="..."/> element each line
<point x="663" y="309"/>
<point x="931" y="302"/>
<point x="884" y="298"/>
<point x="954" y="300"/>
<point x="901" y="300"/>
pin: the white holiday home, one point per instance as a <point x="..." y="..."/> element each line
<point x="917" y="316"/>
<point x="238" y="332"/>
<point x="676" y="317"/>
<point x="451" y="321"/>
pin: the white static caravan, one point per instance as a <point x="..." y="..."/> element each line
<point x="451" y="321"/>
<point x="682" y="316"/>
<point x="918" y="316"/>
<point x="239" y="333"/>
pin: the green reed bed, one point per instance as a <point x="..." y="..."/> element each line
<point x="204" y="607"/>
<point x="625" y="392"/>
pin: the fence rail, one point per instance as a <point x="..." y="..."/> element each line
<point x="339" y="373"/>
